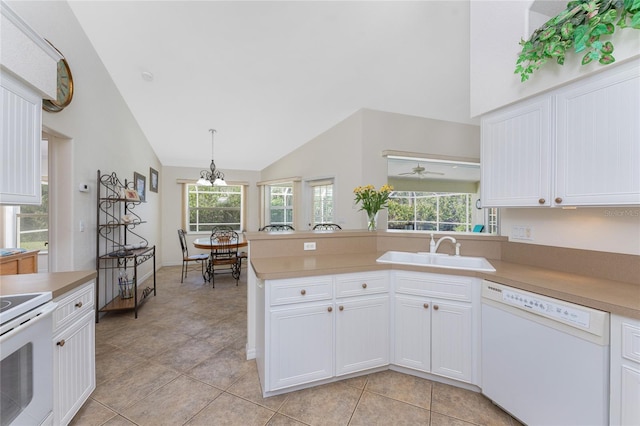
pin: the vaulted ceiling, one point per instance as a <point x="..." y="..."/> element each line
<point x="271" y="75"/>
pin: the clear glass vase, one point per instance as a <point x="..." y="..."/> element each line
<point x="372" y="223"/>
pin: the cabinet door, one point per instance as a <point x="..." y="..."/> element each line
<point x="412" y="326"/>
<point x="74" y="368"/>
<point x="300" y="345"/>
<point x="451" y="340"/>
<point x="598" y="139"/>
<point x="362" y="334"/>
<point x="625" y="371"/>
<point x="515" y="155"/>
<point x="21" y="128"/>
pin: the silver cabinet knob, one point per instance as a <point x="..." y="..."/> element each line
<point x="303" y="292"/>
<point x="364" y="285"/>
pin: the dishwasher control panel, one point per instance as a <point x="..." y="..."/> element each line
<point x="554" y="309"/>
<point x="580" y="317"/>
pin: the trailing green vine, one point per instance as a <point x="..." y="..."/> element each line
<point x="580" y="26"/>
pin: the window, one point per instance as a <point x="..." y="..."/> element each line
<point x="428" y="211"/>
<point x="321" y="202"/>
<point x="280" y="204"/>
<point x="32" y="223"/>
<point x="210" y="206"/>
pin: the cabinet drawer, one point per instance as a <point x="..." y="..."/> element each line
<point x="631" y="342"/>
<point x="434" y="285"/>
<point x="73" y="305"/>
<point x="282" y="292"/>
<point x="362" y="284"/>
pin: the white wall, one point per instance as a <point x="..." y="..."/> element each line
<point x="96" y="131"/>
<point x="351" y="152"/>
<point x="610" y="229"/>
<point x="496" y="30"/>
<point x="172" y="207"/>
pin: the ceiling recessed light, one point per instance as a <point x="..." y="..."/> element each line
<point x="147" y="76"/>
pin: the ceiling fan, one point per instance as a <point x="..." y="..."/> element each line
<point x="420" y="171"/>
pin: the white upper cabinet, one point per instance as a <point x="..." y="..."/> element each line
<point x="21" y="128"/>
<point x="28" y="72"/>
<point x="576" y="146"/>
<point x="515" y="158"/>
<point x="598" y="139"/>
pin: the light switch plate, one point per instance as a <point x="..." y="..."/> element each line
<point x="310" y="245"/>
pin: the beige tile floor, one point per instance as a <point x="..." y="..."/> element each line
<point x="183" y="362"/>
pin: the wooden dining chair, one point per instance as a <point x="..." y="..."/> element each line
<point x="187" y="258"/>
<point x="224" y="254"/>
<point x="275" y="227"/>
<point x="327" y="227"/>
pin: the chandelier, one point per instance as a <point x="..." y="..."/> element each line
<point x="212" y="176"/>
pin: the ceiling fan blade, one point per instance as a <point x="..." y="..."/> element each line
<point x="408" y="173"/>
<point x="434" y="173"/>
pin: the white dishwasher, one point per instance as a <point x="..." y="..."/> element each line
<point x="545" y="361"/>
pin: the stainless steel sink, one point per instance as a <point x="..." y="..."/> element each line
<point x="436" y="260"/>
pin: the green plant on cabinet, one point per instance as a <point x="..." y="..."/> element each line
<point x="580" y="25"/>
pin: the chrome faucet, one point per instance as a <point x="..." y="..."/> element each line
<point x="433" y="245"/>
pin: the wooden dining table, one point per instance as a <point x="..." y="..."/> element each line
<point x="207" y="244"/>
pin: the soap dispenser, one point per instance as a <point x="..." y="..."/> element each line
<point x="432" y="245"/>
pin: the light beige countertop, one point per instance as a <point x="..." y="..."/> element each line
<point x="58" y="283"/>
<point x="611" y="296"/>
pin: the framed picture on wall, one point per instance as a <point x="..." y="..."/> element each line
<point x="140" y="182"/>
<point x="153" y="180"/>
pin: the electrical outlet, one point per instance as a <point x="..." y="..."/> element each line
<point x="522" y="232"/>
<point x="310" y="246"/>
<point x="528" y="233"/>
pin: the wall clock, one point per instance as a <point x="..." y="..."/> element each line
<point x="64" y="89"/>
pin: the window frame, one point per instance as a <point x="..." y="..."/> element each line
<point x="288" y="206"/>
<point x="187" y="209"/>
<point x="313" y="185"/>
<point x="438" y="223"/>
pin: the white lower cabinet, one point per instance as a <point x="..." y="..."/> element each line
<point x="74" y="367"/>
<point x="436" y="335"/>
<point x="362" y="333"/>
<point x="451" y="340"/>
<point x="300" y="345"/>
<point x="412" y="332"/>
<point x="321" y="328"/>
<point x="625" y="371"/>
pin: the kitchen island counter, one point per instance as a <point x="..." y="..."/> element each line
<point x="58" y="283"/>
<point x="617" y="297"/>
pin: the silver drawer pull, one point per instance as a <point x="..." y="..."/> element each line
<point x="364" y="285"/>
<point x="61" y="343"/>
<point x="303" y="292"/>
<point x="79" y="305"/>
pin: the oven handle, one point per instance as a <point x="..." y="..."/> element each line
<point x="44" y="312"/>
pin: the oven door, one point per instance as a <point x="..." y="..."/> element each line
<point x="26" y="369"/>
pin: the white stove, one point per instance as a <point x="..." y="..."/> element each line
<point x="15" y="305"/>
<point x="26" y="359"/>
